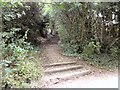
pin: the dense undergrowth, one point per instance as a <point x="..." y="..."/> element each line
<point x="108" y="61"/>
<point x="18" y="64"/>
<point x="93" y="56"/>
<point x="21" y="25"/>
<point x="17" y="68"/>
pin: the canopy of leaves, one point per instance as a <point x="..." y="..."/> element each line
<point x="80" y="23"/>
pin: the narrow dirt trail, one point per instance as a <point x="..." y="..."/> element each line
<point x="70" y="72"/>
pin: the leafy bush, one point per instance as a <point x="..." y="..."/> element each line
<point x="90" y="49"/>
<point x="114" y="52"/>
<point x="70" y="50"/>
<point x="18" y="17"/>
<point x="92" y="55"/>
<point x="18" y="69"/>
<point x="103" y="61"/>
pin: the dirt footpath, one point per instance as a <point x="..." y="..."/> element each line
<point x="57" y="73"/>
<point x="102" y="80"/>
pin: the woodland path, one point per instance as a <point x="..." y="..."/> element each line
<point x="69" y="72"/>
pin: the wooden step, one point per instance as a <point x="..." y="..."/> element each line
<point x="58" y="64"/>
<point x="61" y="69"/>
<point x="58" y="67"/>
<point x="63" y="77"/>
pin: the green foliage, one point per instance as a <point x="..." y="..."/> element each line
<point x="91" y="48"/>
<point x="86" y="29"/>
<point x="78" y="23"/>
<point x="103" y="61"/>
<point x="17" y="67"/>
<point x="70" y="49"/>
<point x="19" y="17"/>
<point x="115" y="52"/>
<point x="94" y="57"/>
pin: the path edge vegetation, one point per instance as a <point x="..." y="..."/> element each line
<point x="87" y="30"/>
<point x="19" y="52"/>
<point x="80" y="27"/>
